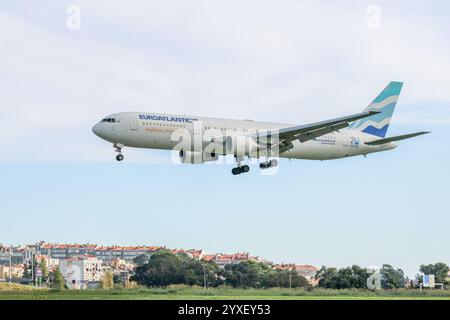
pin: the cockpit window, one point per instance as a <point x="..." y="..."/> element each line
<point x="109" y="120"/>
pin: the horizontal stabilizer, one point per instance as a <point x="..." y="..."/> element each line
<point x="396" y="138"/>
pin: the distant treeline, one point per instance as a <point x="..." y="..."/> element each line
<point x="387" y="277"/>
<point x="164" y="268"/>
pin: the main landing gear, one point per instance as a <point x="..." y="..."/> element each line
<point x="268" y="164"/>
<point x="245" y="168"/>
<point x="118" y="148"/>
<point x="241" y="169"/>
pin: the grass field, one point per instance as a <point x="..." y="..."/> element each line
<point x="17" y="292"/>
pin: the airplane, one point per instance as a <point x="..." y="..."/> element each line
<point x="202" y="139"/>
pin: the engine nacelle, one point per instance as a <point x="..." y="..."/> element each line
<point x="191" y="157"/>
<point x="210" y="156"/>
<point x="197" y="157"/>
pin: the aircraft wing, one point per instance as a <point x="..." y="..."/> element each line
<point x="311" y="131"/>
<point x="396" y="138"/>
<point x="306" y="132"/>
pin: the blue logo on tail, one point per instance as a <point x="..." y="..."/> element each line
<point x="385" y="103"/>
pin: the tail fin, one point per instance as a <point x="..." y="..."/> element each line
<point x="385" y="102"/>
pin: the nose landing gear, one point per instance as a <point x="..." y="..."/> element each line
<point x="118" y="148"/>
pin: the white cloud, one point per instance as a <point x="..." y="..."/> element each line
<point x="287" y="61"/>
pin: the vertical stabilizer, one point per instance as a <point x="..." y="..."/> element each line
<point x="384" y="103"/>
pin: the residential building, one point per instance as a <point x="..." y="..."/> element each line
<point x="106" y="253"/>
<point x="225" y="259"/>
<point x="306" y="270"/>
<point x="119" y="265"/>
<point x="196" y="254"/>
<point x="81" y="272"/>
<point x="50" y="263"/>
<point x="16" y="255"/>
<point x="66" y="251"/>
<point x="16" y="271"/>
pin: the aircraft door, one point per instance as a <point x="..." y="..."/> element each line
<point x="133" y="123"/>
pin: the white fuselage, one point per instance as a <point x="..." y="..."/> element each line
<point x="156" y="131"/>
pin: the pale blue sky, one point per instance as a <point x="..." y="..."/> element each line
<point x="288" y="61"/>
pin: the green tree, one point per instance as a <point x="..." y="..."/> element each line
<point x="440" y="271"/>
<point x="326" y="277"/>
<point x="344" y="278"/>
<point x="195" y="272"/>
<point x="43" y="266"/>
<point x="247" y="274"/>
<point x="162" y="269"/>
<point x="26" y="271"/>
<point x="392" y="278"/>
<point x="58" y="280"/>
<point x="117" y="278"/>
<point x="141" y="259"/>
<point x="289" y="278"/>
<point x="360" y="276"/>
<point x="252" y="274"/>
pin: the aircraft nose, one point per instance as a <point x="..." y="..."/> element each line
<point x="96" y="130"/>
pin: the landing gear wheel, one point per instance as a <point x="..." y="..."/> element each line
<point x="239" y="170"/>
<point x="236" y="171"/>
<point x="273" y="163"/>
<point x="118" y="148"/>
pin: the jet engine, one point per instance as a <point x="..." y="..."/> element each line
<point x="191" y="157"/>
<point x="197" y="157"/>
<point x="210" y="156"/>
